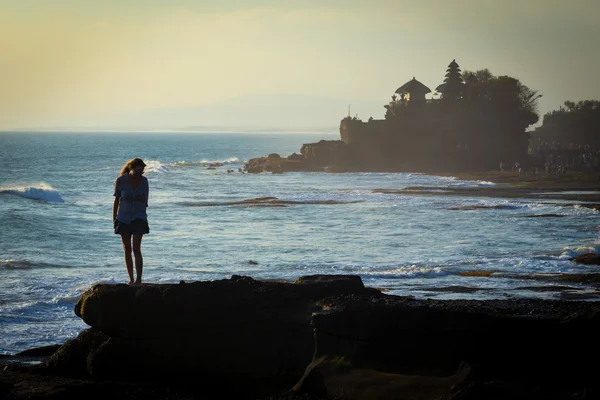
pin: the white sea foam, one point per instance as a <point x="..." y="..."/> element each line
<point x="408" y="271"/>
<point x="155" y="166"/>
<point x="230" y="160"/>
<point x="452" y="181"/>
<point x="65" y="299"/>
<point x="42" y="192"/>
<point x="570" y="252"/>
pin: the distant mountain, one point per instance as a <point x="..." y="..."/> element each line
<point x="250" y="113"/>
<point x="280" y="111"/>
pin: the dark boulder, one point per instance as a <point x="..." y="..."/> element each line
<point x="588" y="259"/>
<point x="499" y="341"/>
<point x="255" y="334"/>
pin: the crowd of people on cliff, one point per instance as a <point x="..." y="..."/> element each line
<point x="555" y="156"/>
<point x="589" y="158"/>
<point x="561" y="146"/>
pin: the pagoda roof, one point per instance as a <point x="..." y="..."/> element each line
<point x="453" y="64"/>
<point x="453" y="73"/>
<point x="413" y="86"/>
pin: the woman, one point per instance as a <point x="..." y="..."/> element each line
<point x="129" y="214"/>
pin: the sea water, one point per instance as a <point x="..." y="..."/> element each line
<point x="57" y="240"/>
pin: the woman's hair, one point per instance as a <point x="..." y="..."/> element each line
<point x="131" y="164"/>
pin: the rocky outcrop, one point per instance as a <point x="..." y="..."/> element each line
<point x="323" y="151"/>
<point x="313" y="157"/>
<point x="587" y="258"/>
<point x="521" y="348"/>
<point x="238" y="336"/>
<point x="323" y="337"/>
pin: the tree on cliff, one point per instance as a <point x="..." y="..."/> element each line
<point x="503" y="97"/>
<point x="496" y="110"/>
<point x="577" y="123"/>
<point x="479" y="76"/>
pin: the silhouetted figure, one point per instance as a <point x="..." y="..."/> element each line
<point x="129" y="214"/>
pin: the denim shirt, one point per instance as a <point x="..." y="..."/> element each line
<point x="133" y="202"/>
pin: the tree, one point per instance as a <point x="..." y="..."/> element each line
<point x="503" y="97"/>
<point x="577" y="123"/>
<point x="479" y="76"/>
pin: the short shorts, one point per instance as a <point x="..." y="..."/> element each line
<point x="136" y="227"/>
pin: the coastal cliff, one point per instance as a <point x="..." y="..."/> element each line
<point x="321" y="337"/>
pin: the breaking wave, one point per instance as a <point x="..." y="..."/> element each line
<point x="25" y="264"/>
<point x="204" y="162"/>
<point x="406" y="272"/>
<point x="570" y="252"/>
<point x="156" y="166"/>
<point x="42" y="192"/>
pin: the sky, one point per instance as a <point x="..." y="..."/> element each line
<point x="79" y="63"/>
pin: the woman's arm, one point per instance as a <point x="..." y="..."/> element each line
<point x="147" y="190"/>
<point x="116" y="207"/>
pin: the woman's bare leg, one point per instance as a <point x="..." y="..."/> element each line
<point x="126" y="239"/>
<point x="139" y="260"/>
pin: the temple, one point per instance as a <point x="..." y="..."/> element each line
<point x="472" y="122"/>
<point x="458" y="130"/>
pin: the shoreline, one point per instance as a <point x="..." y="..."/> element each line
<point x="572" y="180"/>
<point x="507" y="185"/>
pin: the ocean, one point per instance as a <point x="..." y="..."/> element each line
<point x="57" y="240"/>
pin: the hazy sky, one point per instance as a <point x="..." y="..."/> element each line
<point x="77" y="62"/>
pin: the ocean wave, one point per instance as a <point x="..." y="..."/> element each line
<point x="485" y="183"/>
<point x="32" y="309"/>
<point x="407" y="271"/>
<point x="65" y="299"/>
<point x="42" y="192"/>
<point x="204" y="162"/>
<point x="156" y="166"/>
<point x="25" y="264"/>
<point x="579" y="208"/>
<point x="570" y="252"/>
<point x="454" y="182"/>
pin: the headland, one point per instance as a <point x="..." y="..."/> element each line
<point x="472" y="123"/>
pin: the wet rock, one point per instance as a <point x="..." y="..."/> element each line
<point x="45" y="351"/>
<point x="336" y="378"/>
<point x="588" y="259"/>
<point x="494" y="207"/>
<point x="256" y="334"/>
<point x="544" y="216"/>
<point x="265" y="202"/>
<point x="497" y="339"/>
<point x="325" y="336"/>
